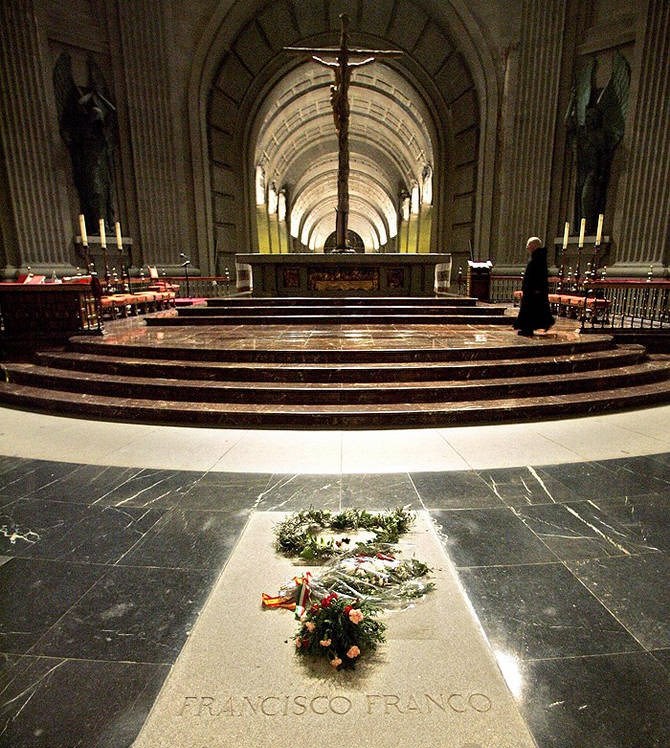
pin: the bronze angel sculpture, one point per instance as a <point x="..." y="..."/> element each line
<point x="595" y="122"/>
<point x="88" y="126"/>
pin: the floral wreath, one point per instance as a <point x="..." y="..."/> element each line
<point x="298" y="535"/>
<point x="338" y="611"/>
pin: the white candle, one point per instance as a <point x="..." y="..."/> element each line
<point x="599" y="232"/>
<point x="103" y="238"/>
<point x="82" y="230"/>
<point x="566" y="234"/>
<point x="582" y="231"/>
<point x="119" y="239"/>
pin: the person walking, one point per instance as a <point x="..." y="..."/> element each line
<point x="534" y="311"/>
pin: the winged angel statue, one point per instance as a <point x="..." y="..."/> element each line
<point x="88" y="125"/>
<point x="595" y="122"/>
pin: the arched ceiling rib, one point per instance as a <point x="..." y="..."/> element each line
<point x="390" y="138"/>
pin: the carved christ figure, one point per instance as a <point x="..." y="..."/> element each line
<point x="344" y="60"/>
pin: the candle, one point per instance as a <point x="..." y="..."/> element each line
<point x="599" y="232"/>
<point x="582" y="231"/>
<point x="82" y="230"/>
<point x="119" y="240"/>
<point x="566" y="234"/>
<point x="103" y="238"/>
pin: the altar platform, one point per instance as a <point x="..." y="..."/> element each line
<point x="310" y="274"/>
<point x="230" y="371"/>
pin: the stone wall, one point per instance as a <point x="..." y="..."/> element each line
<point x="182" y="77"/>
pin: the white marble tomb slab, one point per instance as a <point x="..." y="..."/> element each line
<point x="238" y="681"/>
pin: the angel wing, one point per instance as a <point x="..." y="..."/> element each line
<point x="581" y="95"/>
<point x="613" y="100"/>
<point x="65" y="90"/>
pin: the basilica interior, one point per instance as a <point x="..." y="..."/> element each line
<point x="189" y="350"/>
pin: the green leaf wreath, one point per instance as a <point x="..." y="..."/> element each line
<point x="298" y="535"/>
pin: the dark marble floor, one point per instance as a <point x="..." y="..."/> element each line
<point x="103" y="571"/>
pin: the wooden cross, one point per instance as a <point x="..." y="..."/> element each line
<point x="342" y="59"/>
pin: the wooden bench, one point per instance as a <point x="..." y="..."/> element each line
<point x="572" y="305"/>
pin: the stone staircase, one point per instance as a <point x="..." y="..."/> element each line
<point x="238" y="372"/>
<point x="337" y="310"/>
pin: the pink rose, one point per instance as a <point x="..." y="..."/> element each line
<point x="336" y="662"/>
<point x="355" y="615"/>
<point x="310" y="626"/>
<point x="325" y="642"/>
<point x="353" y="652"/>
<point x="298" y="642"/>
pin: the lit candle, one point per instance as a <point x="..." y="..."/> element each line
<point x="582" y="231"/>
<point x="103" y="238"/>
<point x="599" y="232"/>
<point x="119" y="240"/>
<point x="82" y="230"/>
<point x="566" y="234"/>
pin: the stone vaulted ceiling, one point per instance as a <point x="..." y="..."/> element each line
<point x="267" y="107"/>
<point x="296" y="144"/>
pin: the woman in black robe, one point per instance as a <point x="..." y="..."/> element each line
<point x="534" y="311"/>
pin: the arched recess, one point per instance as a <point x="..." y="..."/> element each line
<point x="240" y="57"/>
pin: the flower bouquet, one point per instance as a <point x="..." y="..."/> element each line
<point x="339" y="630"/>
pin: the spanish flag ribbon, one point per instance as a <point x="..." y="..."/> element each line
<point x="278" y="601"/>
<point x="300" y="593"/>
<point x="302" y="583"/>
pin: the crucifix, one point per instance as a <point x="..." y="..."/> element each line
<point x="342" y="60"/>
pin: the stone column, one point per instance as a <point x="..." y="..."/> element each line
<point x="644" y="235"/>
<point x="526" y="200"/>
<point x="39" y="236"/>
<point x="144" y="48"/>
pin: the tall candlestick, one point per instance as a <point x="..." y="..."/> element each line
<point x="599" y="231"/>
<point x="582" y="231"/>
<point x="566" y="234"/>
<point x="82" y="230"/>
<point x="103" y="237"/>
<point x="119" y="239"/>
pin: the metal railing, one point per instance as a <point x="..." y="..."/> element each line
<point x="632" y="303"/>
<point x="198" y="286"/>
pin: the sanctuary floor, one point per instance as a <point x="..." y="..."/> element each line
<point x="113" y="535"/>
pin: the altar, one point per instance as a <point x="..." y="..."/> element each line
<point x="352" y="274"/>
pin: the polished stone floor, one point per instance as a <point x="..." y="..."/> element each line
<point x="112" y="535"/>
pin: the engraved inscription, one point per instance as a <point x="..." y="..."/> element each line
<point x="381" y="704"/>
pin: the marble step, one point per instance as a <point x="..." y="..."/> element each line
<point x="353" y="416"/>
<point x="410" y="371"/>
<point x="281" y="351"/>
<point x="283" y="393"/>
<point x="337" y="301"/>
<point x="325" y="310"/>
<point x="330" y="318"/>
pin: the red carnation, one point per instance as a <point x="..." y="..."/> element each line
<point x="346" y="609"/>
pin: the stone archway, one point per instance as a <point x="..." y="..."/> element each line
<point x="240" y="60"/>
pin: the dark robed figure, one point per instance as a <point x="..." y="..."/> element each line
<point x="534" y="312"/>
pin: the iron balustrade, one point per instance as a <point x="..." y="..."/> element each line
<point x="634" y="303"/>
<point x="631" y="303"/>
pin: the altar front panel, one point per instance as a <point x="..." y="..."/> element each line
<point x="343" y="275"/>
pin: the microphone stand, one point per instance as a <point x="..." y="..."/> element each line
<point x="185" y="265"/>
